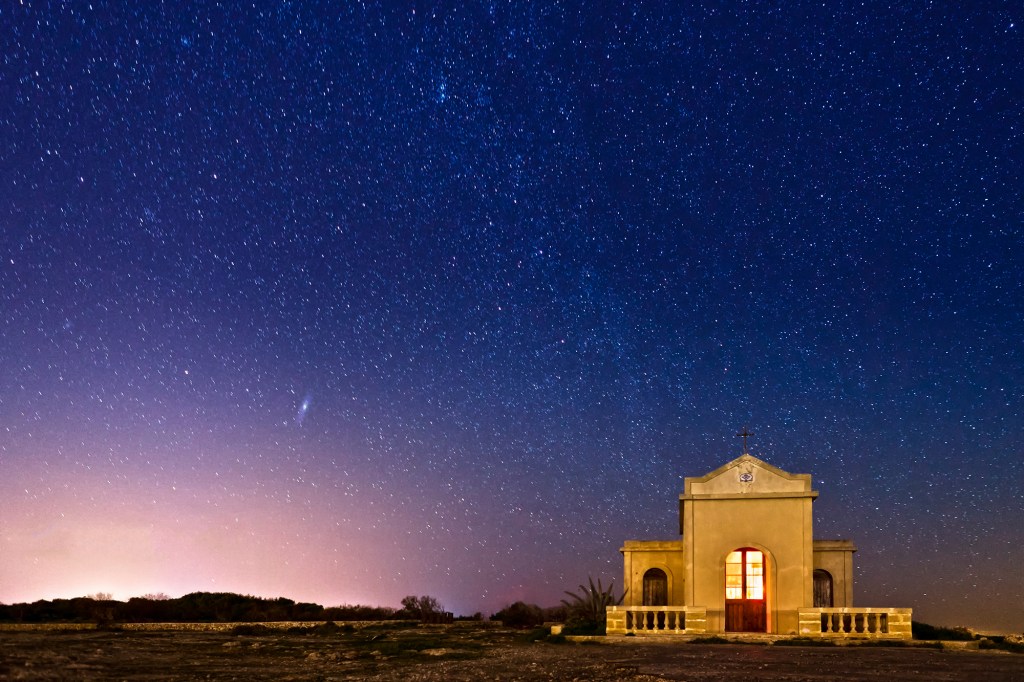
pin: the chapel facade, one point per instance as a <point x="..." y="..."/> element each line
<point x="747" y="562"/>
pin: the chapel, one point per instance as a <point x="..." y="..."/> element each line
<point x="747" y="562"/>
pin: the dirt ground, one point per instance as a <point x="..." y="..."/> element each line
<point x="464" y="652"/>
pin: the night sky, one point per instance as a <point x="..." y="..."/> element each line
<point x="348" y="301"/>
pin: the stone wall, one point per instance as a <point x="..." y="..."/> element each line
<point x="856" y="623"/>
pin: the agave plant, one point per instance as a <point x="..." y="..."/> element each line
<point x="590" y="604"/>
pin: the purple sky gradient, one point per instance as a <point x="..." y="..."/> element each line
<point x="526" y="266"/>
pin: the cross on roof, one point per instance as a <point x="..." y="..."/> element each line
<point x="744" y="436"/>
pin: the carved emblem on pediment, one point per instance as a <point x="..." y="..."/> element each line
<point x="745" y="476"/>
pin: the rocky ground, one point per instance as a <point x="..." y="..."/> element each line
<point x="463" y="652"/>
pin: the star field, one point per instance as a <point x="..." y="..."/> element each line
<point x="344" y="303"/>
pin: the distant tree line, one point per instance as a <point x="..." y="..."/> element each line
<point x="211" y="607"/>
<point x="583" y="613"/>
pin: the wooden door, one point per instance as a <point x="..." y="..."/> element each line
<point x="745" y="607"/>
<point x="655" y="588"/>
<point x="822" y="588"/>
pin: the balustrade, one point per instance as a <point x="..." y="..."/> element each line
<point x="855" y="622"/>
<point x="655" y="620"/>
<point x="845" y="622"/>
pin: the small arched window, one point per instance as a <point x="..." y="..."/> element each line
<point x="822" y="589"/>
<point x="655" y="588"/>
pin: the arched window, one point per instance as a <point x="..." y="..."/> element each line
<point x="655" y="588"/>
<point x="822" y="588"/>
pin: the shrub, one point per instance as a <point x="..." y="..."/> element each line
<point x="556" y="614"/>
<point x="426" y="609"/>
<point x="1002" y="644"/>
<point x="587" y="610"/>
<point x="934" y="632"/>
<point x="583" y="627"/>
<point x="520" y="615"/>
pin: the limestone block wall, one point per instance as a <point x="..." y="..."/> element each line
<point x="836" y="557"/>
<point x="616" y="623"/>
<point x="640" y="556"/>
<point x="856" y="623"/>
<point x="778" y="526"/>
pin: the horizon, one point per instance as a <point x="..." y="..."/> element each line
<point x="350" y="303"/>
<point x="484" y="614"/>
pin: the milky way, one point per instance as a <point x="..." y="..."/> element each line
<point x="348" y="301"/>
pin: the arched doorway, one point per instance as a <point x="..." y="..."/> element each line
<point x="655" y="588"/>
<point x="822" y="589"/>
<point x="745" y="609"/>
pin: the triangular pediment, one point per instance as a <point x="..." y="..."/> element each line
<point x="748" y="474"/>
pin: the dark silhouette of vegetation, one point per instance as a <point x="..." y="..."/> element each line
<point x="197" y="607"/>
<point x="586" y="610"/>
<point x="523" y="615"/>
<point x="156" y="596"/>
<point x="359" y="612"/>
<point x="425" y="609"/>
<point x="520" y="615"/>
<point x="941" y="634"/>
<point x="1014" y="645"/>
<point x="556" y="614"/>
